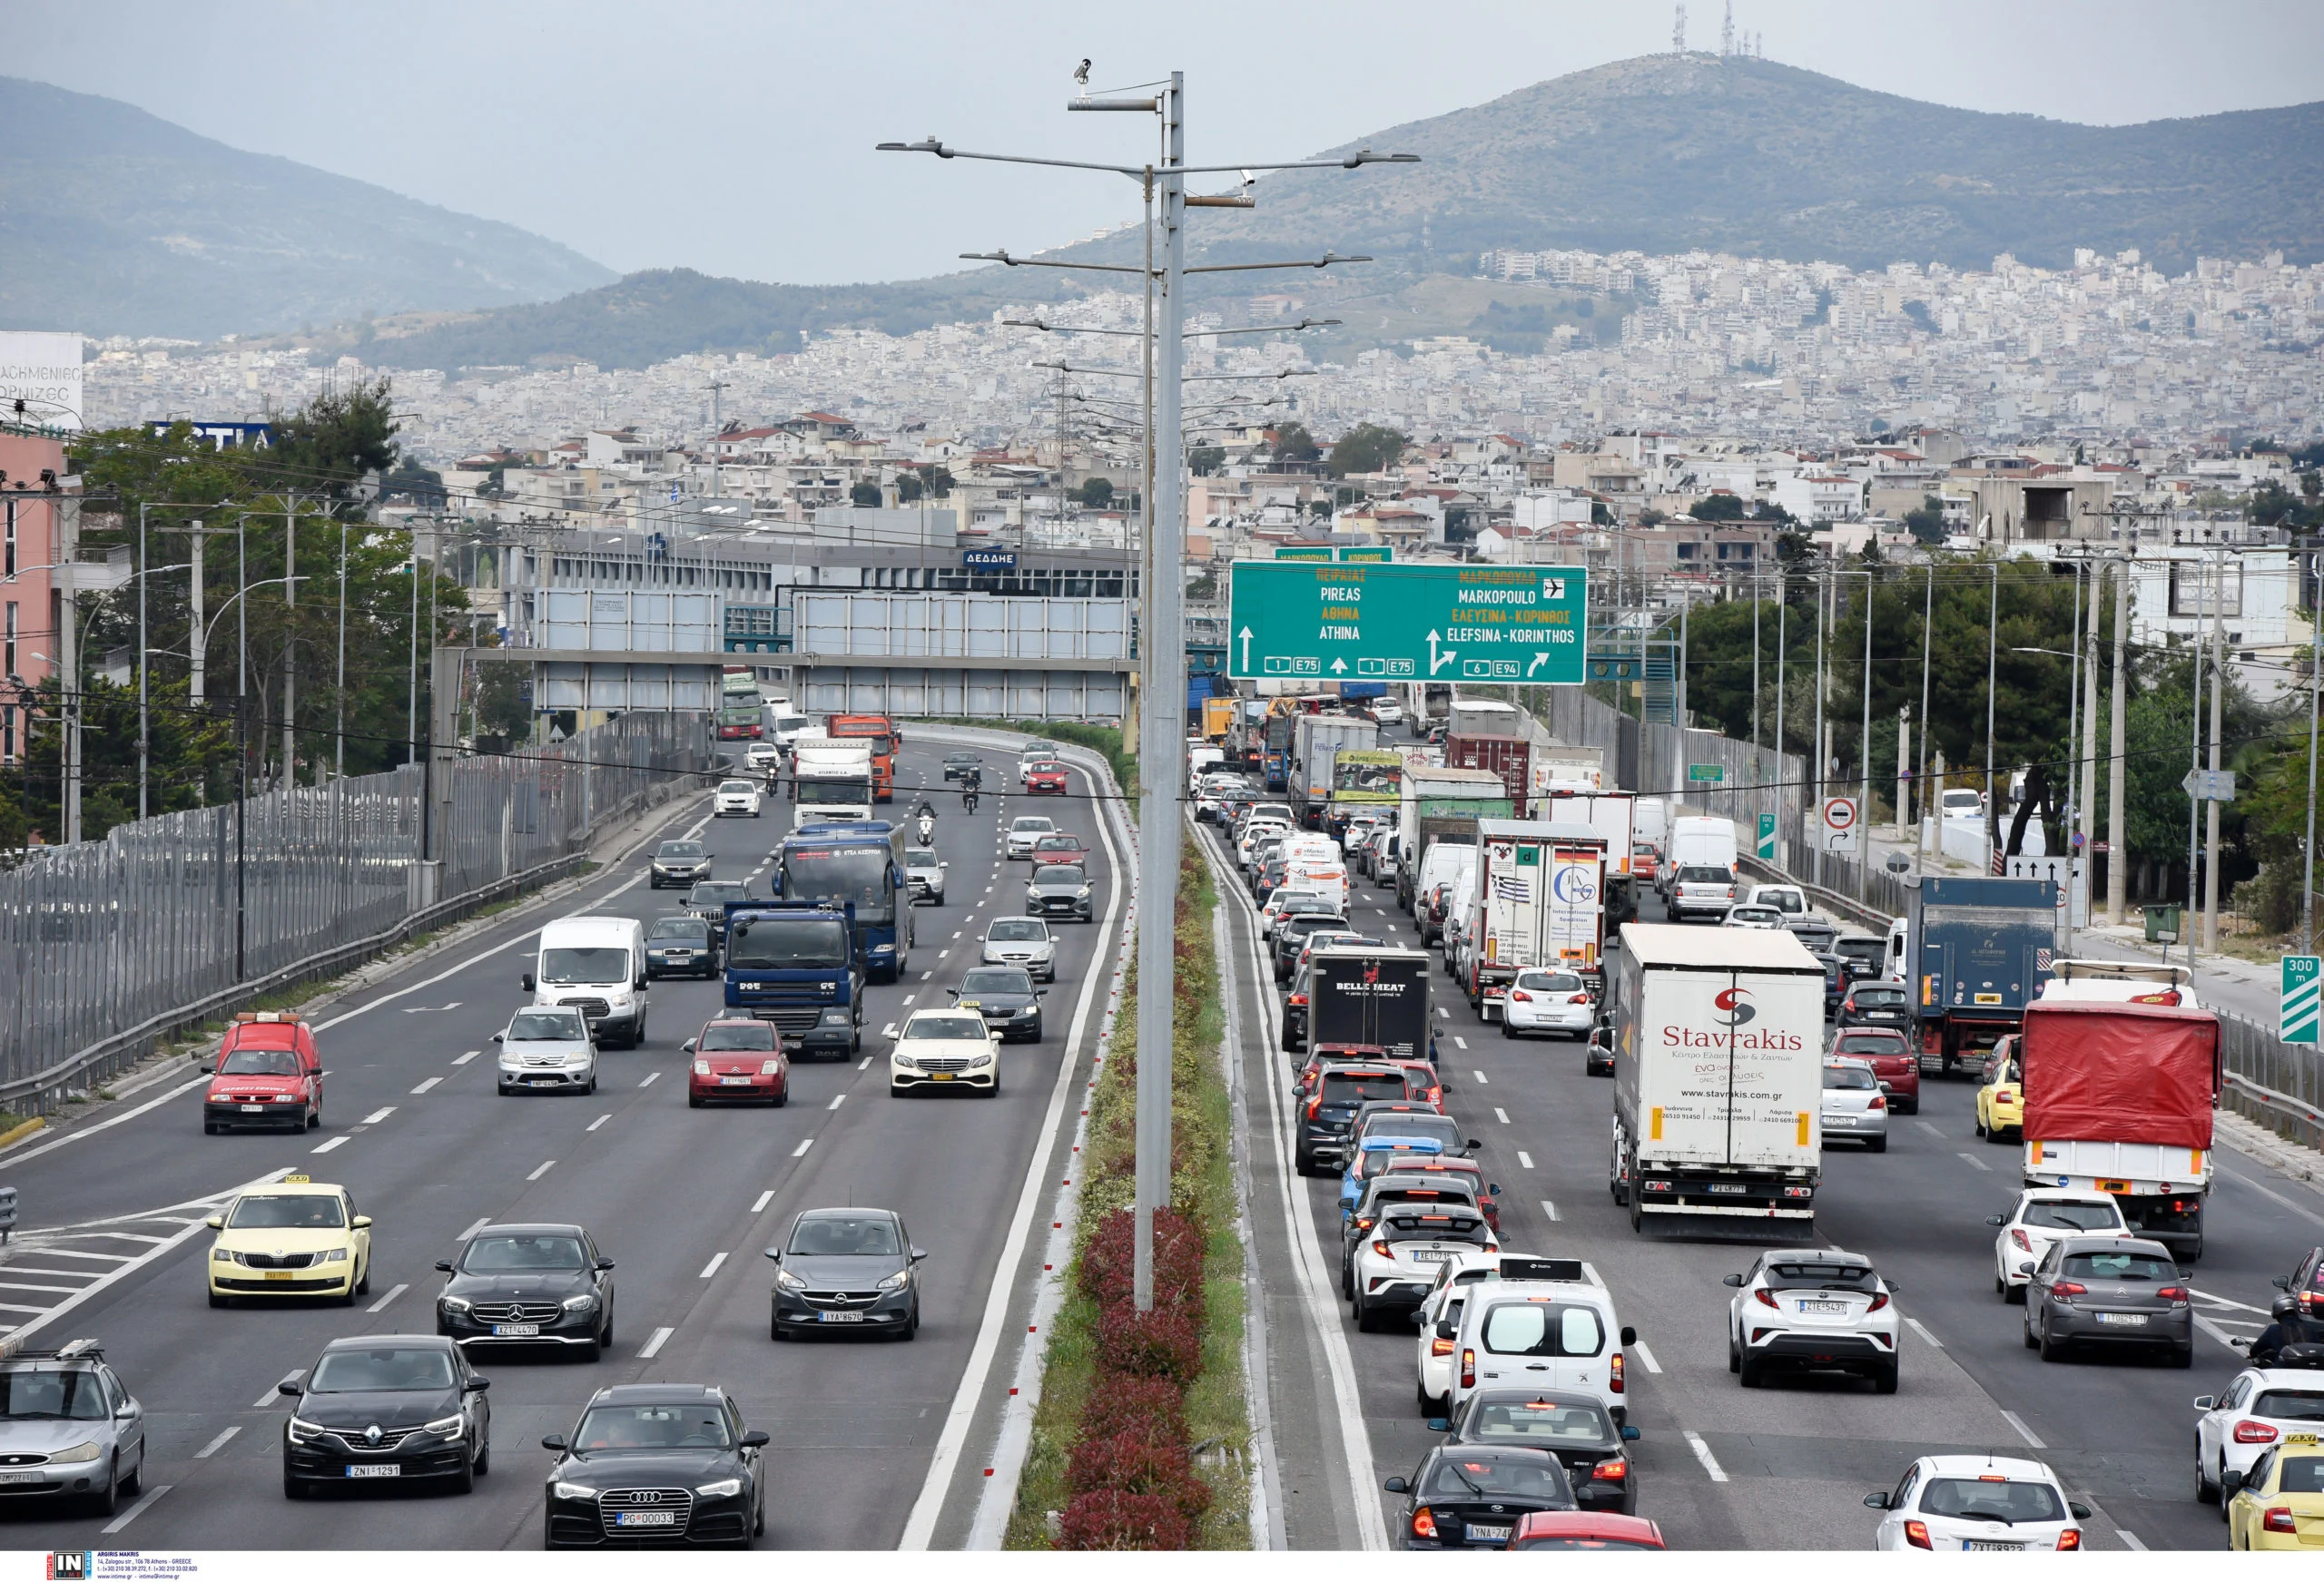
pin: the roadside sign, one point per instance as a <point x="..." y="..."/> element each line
<point x="1766" y="849"/>
<point x="1369" y="553"/>
<point x="1840" y="831"/>
<point x="1706" y="774"/>
<point x="988" y="559"/>
<point x="2301" y="989"/>
<point x="1515" y="625"/>
<point x="2069" y="875"/>
<point x="1304" y="551"/>
<point x="2210" y="785"/>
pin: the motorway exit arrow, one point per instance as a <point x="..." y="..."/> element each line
<point x="1245" y="635"/>
<point x="1434" y="663"/>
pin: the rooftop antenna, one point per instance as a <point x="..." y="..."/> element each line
<point x="1678" y="30"/>
<point x="1727" y="31"/>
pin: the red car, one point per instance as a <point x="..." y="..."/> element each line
<point x="738" y="1057"/>
<point x="268" y="1073"/>
<point x="1060" y="848"/>
<point x="1584" y="1529"/>
<point x="1642" y="861"/>
<point x="1046" y="778"/>
<point x="1425" y="1085"/>
<point x="1892" y="1060"/>
<point x="1487" y="1203"/>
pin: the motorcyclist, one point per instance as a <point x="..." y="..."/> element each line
<point x="971" y="782"/>
<point x="926" y="815"/>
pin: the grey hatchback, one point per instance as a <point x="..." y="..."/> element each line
<point x="2109" y="1290"/>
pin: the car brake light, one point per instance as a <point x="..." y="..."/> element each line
<point x="1381" y="1246"/>
<point x="1423" y="1524"/>
<point x="1612" y="1471"/>
<point x="1299" y="999"/>
<point x="2002" y="1095"/>
<point x="1438" y="1346"/>
<point x="1877" y="1102"/>
<point x="2070" y="1538"/>
<point x="1879" y="1300"/>
<point x="1315" y="1104"/>
<point x="1468" y="1368"/>
<point x="2279" y="1521"/>
<point x="2254" y="1433"/>
<point x="1580" y="999"/>
<point x="2023" y="1243"/>
<point x="2068" y="1288"/>
<point x="1614" y="1373"/>
<point x="1521" y="994"/>
<point x="1916" y="1535"/>
<point x="2174" y="1293"/>
<point x="1767" y="1297"/>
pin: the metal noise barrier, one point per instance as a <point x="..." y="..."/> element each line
<point x="107" y="945"/>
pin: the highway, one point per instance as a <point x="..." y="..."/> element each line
<point x="1787" y="1466"/>
<point x="684" y="1200"/>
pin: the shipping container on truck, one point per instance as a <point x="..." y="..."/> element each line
<point x="1443" y="804"/>
<point x="880" y="732"/>
<point x="1560" y="764"/>
<point x="1486" y="717"/>
<point x="1315" y="739"/>
<point x="1976" y="952"/>
<point x="1539" y="902"/>
<point x="2120" y="1099"/>
<point x="1612" y="814"/>
<point x="1510" y="757"/>
<point x="1363" y="995"/>
<point x="1719" y="1083"/>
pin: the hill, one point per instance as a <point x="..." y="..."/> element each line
<point x="115" y="221"/>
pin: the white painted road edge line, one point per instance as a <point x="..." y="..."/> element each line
<point x="2017" y="1423"/>
<point x="218" y="1444"/>
<point x="1646" y="1357"/>
<point x="653" y="1345"/>
<point x="1702" y="1453"/>
<point x="2130" y="1540"/>
<point x="1921" y="1329"/>
<point x="710" y="1268"/>
<point x="136" y="1511"/>
<point x="392" y="1295"/>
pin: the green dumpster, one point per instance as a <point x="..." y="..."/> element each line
<point x="2161" y="924"/>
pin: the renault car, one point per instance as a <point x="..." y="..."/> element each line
<point x="380" y="1408"/>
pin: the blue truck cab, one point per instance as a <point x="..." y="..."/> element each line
<point x="797" y="963"/>
<point x="859" y="865"/>
<point x="1976" y="951"/>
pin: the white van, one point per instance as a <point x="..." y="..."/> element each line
<point x="1696" y="842"/>
<point x="596" y="965"/>
<point x="1444" y="861"/>
<point x="1542" y="1334"/>
<point x="1650" y="822"/>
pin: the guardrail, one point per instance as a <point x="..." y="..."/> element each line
<point x="2279" y="1085"/>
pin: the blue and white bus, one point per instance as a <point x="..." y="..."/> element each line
<point x="859" y="865"/>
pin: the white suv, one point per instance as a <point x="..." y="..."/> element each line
<point x="1439" y="1314"/>
<point x="1813" y="1308"/>
<point x="2253" y="1415"/>
<point x="1549" y="1334"/>
<point x="1978" y="1502"/>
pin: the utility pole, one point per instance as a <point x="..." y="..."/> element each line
<point x="2086" y="792"/>
<point x="2194" y="764"/>
<point x="1823" y="596"/>
<point x="2315" y="706"/>
<point x="717" y="417"/>
<point x="1864" y="759"/>
<point x="1920" y="778"/>
<point x="2118" y="856"/>
<point x="196" y="646"/>
<point x="1783" y="608"/>
<point x="1993" y="799"/>
<point x="2210" y="813"/>
<point x="289" y="639"/>
<point x="338" y="722"/>
<point x="141" y="709"/>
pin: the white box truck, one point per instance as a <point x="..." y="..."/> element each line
<point x="1539" y="901"/>
<point x="1558" y="763"/>
<point x="1719" y="1082"/>
<point x="831" y="778"/>
<point x="1612" y="813"/>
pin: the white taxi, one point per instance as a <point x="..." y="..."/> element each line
<point x="945" y="1048"/>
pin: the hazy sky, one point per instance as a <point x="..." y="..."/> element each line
<point x="737" y="139"/>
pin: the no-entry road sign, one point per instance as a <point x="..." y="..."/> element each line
<point x="1518" y="626"/>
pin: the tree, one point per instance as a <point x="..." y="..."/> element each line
<point x="1717" y="508"/>
<point x="1096" y="494"/>
<point x="1366" y="447"/>
<point x="865" y="494"/>
<point x="330" y="443"/>
<point x="1205" y="460"/>
<point x="1294" y="443"/>
<point x="1928" y="524"/>
<point x="419" y="486"/>
<point x="909" y="486"/>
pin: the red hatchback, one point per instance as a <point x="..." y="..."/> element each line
<point x="1046" y="779"/>
<point x="738" y="1057"/>
<point x="1059" y="847"/>
<point x="1584" y="1529"/>
<point x="1892" y="1061"/>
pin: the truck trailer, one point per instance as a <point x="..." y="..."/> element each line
<point x="1976" y="952"/>
<point x="1539" y="901"/>
<point x="1367" y="997"/>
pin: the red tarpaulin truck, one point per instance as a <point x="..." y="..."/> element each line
<point x="2119" y="1100"/>
<point x="1510" y="757"/>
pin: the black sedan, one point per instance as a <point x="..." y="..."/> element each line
<point x="657" y="1464"/>
<point x="1010" y="1005"/>
<point x="1471" y="1497"/>
<point x="846" y="1269"/>
<point x="1574" y="1427"/>
<point x="681" y="946"/>
<point x="1059" y="889"/>
<point x="957" y="765"/>
<point x="529" y="1285"/>
<point x="387" y="1407"/>
<point x="1292" y="933"/>
<point x="708" y="900"/>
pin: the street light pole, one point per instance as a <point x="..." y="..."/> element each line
<point x="1920" y="771"/>
<point x="2315" y="702"/>
<point x="1993" y="655"/>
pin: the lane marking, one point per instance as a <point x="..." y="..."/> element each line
<point x="473" y="1229"/>
<point x="908" y="998"/>
<point x="1459" y="1042"/>
<point x="2217" y="1333"/>
<point x="392" y="1295"/>
<point x="2225" y="1302"/>
<point x="327" y="1147"/>
<point x="837" y="1099"/>
<point x="274" y="1391"/>
<point x="765" y="1198"/>
<point x="1524" y="1160"/>
<point x="544" y="1167"/>
<point x="1702" y="1454"/>
<point x="218" y="1444"/>
<point x="801" y="1151"/>
<point x="1921" y="1329"/>
<point x="2130" y="1540"/>
<point x="1646" y="1357"/>
<point x="654" y="1344"/>
<point x="136" y="1511"/>
<point x="1549" y="1209"/>
<point x="91" y="1130"/>
<point x="2276" y="1197"/>
<point x="1445" y="1013"/>
<point x="710" y="1268"/>
<point x="649" y="1079"/>
<point x="464" y="1059"/>
<point x="1500" y="1114"/>
<point x="1481" y="1078"/>
<point x="926" y="976"/>
<point x="424" y="1086"/>
<point x="864" y="1064"/>
<point x="1932" y="1131"/>
<point x="888" y="1031"/>
<point x="2024" y="1432"/>
<point x="600" y="1121"/>
<point x="375" y="1117"/>
<point x="1977" y="1164"/>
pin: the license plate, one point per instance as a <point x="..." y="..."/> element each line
<point x="517" y="1332"/>
<point x="251" y="1109"/>
<point x="1832" y="1307"/>
<point x="1721" y="1186"/>
<point x="940" y="1077"/>
<point x="375" y="1469"/>
<point x="281" y="1273"/>
<point x="839" y="1317"/>
<point x="1480" y="1535"/>
<point x="2129" y="1320"/>
<point x="14" y="1478"/>
<point x="1973" y="1543"/>
<point x="734" y="1082"/>
<point x="645" y="1519"/>
<point x="544" y="1081"/>
<point x="1429" y="1256"/>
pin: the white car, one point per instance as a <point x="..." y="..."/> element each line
<point x="547" y="1047"/>
<point x="1978" y="1502"/>
<point x="2039" y="1217"/>
<point x="1813" y="1308"/>
<point x="1024" y="831"/>
<point x="1358" y="828"/>
<point x="1254" y="832"/>
<point x="1387" y="713"/>
<point x="1854" y="1107"/>
<point x="1439" y="1316"/>
<point x="1788" y="898"/>
<point x="763" y="756"/>
<point x="1394" y="1262"/>
<point x="1545" y="1000"/>
<point x="2253" y="1415"/>
<point x="1547" y="1334"/>
<point x="1751" y="916"/>
<point x="945" y="1048"/>
<point x="1024" y="942"/>
<point x="1031" y="756"/>
<point x="1288" y="900"/>
<point x="737" y="799"/>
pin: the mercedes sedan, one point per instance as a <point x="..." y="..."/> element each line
<point x="529" y="1285"/>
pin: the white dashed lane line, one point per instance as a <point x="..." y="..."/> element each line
<point x="1459" y="1042"/>
<point x="1709" y="1462"/>
<point x="765" y="1198"/>
<point x="653" y="1347"/>
<point x="274" y="1391"/>
<point x="544" y="1167"/>
<point x="327" y="1147"/>
<point x="424" y="1086"/>
<point x="1977" y="1164"/>
<point x="649" y="1079"/>
<point x="381" y="1304"/>
<point x="1480" y="1077"/>
<point x="1549" y="1209"/>
<point x="864" y="1064"/>
<point x="1646" y="1357"/>
<point x="600" y="1121"/>
<point x="136" y="1511"/>
<point x="375" y="1117"/>
<point x="2024" y="1432"/>
<point x="218" y="1444"/>
<point x="837" y="1099"/>
<point x="710" y="1268"/>
<point x="1500" y="1114"/>
<point x="1524" y="1160"/>
<point x="473" y="1229"/>
<point x="801" y="1151"/>
<point x="464" y="1059"/>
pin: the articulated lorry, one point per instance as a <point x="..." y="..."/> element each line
<point x="1316" y="740"/>
<point x="1976" y="952"/>
<point x="1539" y="901"/>
<point x="1719" y="1083"/>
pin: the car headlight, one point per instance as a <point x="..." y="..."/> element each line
<point x="449" y="1427"/>
<point x="788" y="1281"/>
<point x="221" y="1255"/>
<point x="835" y="1019"/>
<point x="301" y="1431"/>
<point x="289" y="1098"/>
<point x="1082" y="894"/>
<point x="86" y="1450"/>
<point x="897" y="1281"/>
<point x="725" y="1488"/>
<point x="909" y="1062"/>
<point x="453" y="1303"/>
<point x="770" y="1067"/>
<point x="981" y="1060"/>
<point x="883" y="949"/>
<point x="564" y="1490"/>
<point x="702" y="1068"/>
<point x="336" y="1255"/>
<point x="588" y="1299"/>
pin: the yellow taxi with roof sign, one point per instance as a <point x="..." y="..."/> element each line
<point x="292" y="1237"/>
<point x="2281" y="1504"/>
<point x="2001" y="1099"/>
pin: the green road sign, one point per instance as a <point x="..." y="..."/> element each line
<point x="1515" y="625"/>
<point x="1342" y="553"/>
<point x="2302" y="987"/>
<point x="1304" y="551"/>
<point x="1766" y="837"/>
<point x="1375" y="554"/>
<point x="1706" y="774"/>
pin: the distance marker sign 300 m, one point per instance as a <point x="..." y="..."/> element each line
<point x="1513" y="626"/>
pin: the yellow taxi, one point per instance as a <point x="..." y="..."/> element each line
<point x="2281" y="1504"/>
<point x="293" y="1237"/>
<point x="2001" y="1101"/>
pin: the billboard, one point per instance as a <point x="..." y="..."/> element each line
<point x="43" y="371"/>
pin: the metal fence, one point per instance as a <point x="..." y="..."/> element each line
<point x="99" y="939"/>
<point x="2280" y="1086"/>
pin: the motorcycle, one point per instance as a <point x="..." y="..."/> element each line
<point x="927" y="828"/>
<point x="969" y="802"/>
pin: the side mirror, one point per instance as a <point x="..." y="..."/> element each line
<point x="917" y="1254"/>
<point x="1877" y="1501"/>
<point x="1996" y="1219"/>
<point x="209" y="1068"/>
<point x="2205" y="1402"/>
<point x="500" y="1038"/>
<point x="445" y="1264"/>
<point x="1630" y="1434"/>
<point x="953" y="992"/>
<point x="605" y="1264"/>
<point x="2081" y="1512"/>
<point x="1495" y="1190"/>
<point x="1474" y="1142"/>
<point x="756" y="1439"/>
<point x="1629" y="1336"/>
<point x="774" y="1253"/>
<point x="1040" y="993"/>
<point x="477" y="1384"/>
<point x="290" y="1387"/>
<point x="2228" y="1483"/>
<point x="1734" y="1280"/>
<point x="1894" y="1289"/>
<point x="687" y="1046"/>
<point x="1397" y="1485"/>
<point x="216" y="1222"/>
<point x="526" y="982"/>
<point x="553" y="1441"/>
<point x="2282" y="1283"/>
<point x="944" y="864"/>
<point x="359" y="1222"/>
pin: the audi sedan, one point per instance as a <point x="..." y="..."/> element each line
<point x="848" y="1270"/>
<point x="665" y="1464"/>
<point x="530" y="1285"/>
<point x="387" y="1407"/>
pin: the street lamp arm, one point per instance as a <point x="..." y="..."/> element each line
<point x="930" y="145"/>
<point x="271" y="582"/>
<point x="1298" y="264"/>
<point x="1014" y="262"/>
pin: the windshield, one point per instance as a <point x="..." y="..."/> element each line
<point x="1536" y="1480"/>
<point x="586" y="963"/>
<point x="944" y="1025"/>
<point x="1543" y="1422"/>
<point x="314" y="1210"/>
<point x="506" y="1254"/>
<point x="1059" y="874"/>
<point x="1705" y="876"/>
<point x="844" y="1236"/>
<point x="2074" y="1216"/>
<point x="1880" y="997"/>
<point x="1850" y="1076"/>
<point x="679" y="848"/>
<point x="1892" y="1046"/>
<point x="383" y="1368"/>
<point x="997" y="980"/>
<point x="717" y="892"/>
<point x="260" y="1063"/>
<point x="1550" y="982"/>
<point x="1543" y="1328"/>
<point x="2119" y="1266"/>
<point x="862" y="874"/>
<point x="765" y="941"/>
<point x="1753" y="915"/>
<point x="754" y="1038"/>
<point x="1820" y="1277"/>
<point x="692" y="929"/>
<point x="1032" y="827"/>
<point x="922" y="858"/>
<point x="736" y="785"/>
<point x="1340" y="1088"/>
<point x="643" y="1427"/>
<point x="845" y="793"/>
<point x="1019" y="928"/>
<point x="1976" y="1497"/>
<point x="791" y="722"/>
<point x="1782" y="900"/>
<point x="52" y="1393"/>
<point x="1438" y="1129"/>
<point x="529" y="1026"/>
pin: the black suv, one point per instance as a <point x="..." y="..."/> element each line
<point x="657" y="1464"/>
<point x="387" y="1407"/>
<point x="1323" y="1138"/>
<point x="708" y="900"/>
<point x="1292" y="933"/>
<point x="529" y="1285"/>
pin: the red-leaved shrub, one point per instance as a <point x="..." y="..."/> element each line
<point x="1165" y="1343"/>
<point x="1109" y="1518"/>
<point x="1134" y="1464"/>
<point x="1126" y="1403"/>
<point x="1108" y="1262"/>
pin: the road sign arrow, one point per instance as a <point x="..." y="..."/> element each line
<point x="1339" y="667"/>
<point x="1540" y="660"/>
<point x="1245" y="635"/>
<point x="1435" y="661"/>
